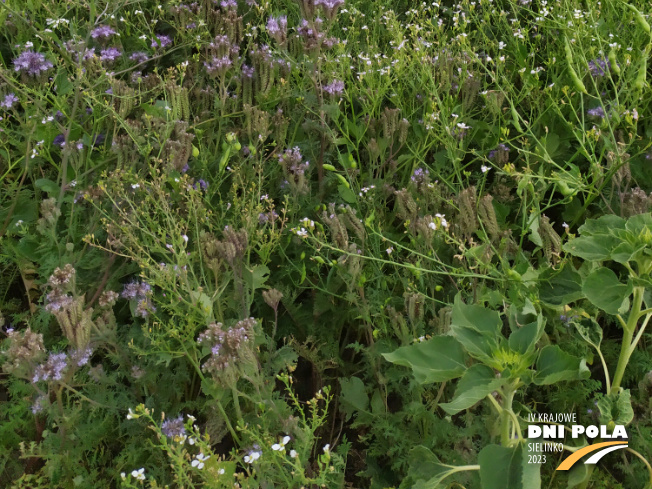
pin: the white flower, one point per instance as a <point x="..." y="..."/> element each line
<point x="123" y="476"/>
<point x="432" y="226"/>
<point x="252" y="457"/>
<point x="327" y="447"/>
<point x="199" y="461"/>
<point x="185" y="238"/>
<point x="461" y="125"/>
<point x="138" y="474"/>
<point x="565" y="226"/>
<point x="389" y="250"/>
<point x="131" y="414"/>
<point x="302" y="233"/>
<point x="485" y="168"/>
<point x="191" y="441"/>
<point x="293" y="453"/>
<point x="221" y="471"/>
<point x="135" y="185"/>
<point x="281" y="446"/>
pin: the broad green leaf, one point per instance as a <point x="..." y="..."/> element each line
<point x="524" y="340"/>
<point x="593" y="248"/>
<point x="626" y="252"/>
<point x="477" y="383"/>
<point x="346" y="193"/>
<point x="590" y="330"/>
<point x="555" y="365"/>
<point x="607" y="224"/>
<point x="509" y="467"/>
<point x="435" y="360"/>
<point x="354" y="398"/>
<point x="605" y="291"/>
<point x="578" y="474"/>
<point x="47" y="185"/>
<point x="476" y="328"/>
<point x="616" y="408"/>
<point x="640" y="223"/>
<point x="558" y="289"/>
<point x="426" y="469"/>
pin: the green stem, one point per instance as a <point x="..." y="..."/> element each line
<point x="626" y="347"/>
<point x="505" y="433"/>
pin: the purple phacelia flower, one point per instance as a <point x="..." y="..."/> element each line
<point x="596" y="112"/>
<point x="420" y="176"/>
<point x="32" y="63"/>
<point x="277" y="27"/>
<point x="102" y="32"/>
<point x="247" y="71"/>
<point x="228" y="4"/>
<point x="336" y="87"/>
<point x="40" y="404"/>
<point x="218" y="65"/>
<point x="81" y="357"/>
<point x="598" y="67"/>
<point x="110" y="54"/>
<point x="161" y="40"/>
<point x="173" y="428"/>
<point x="201" y="184"/>
<point x="59" y="140"/>
<point x="52" y="369"/>
<point x="9" y="101"/>
<point x="139" y="57"/>
<point x="501" y="148"/>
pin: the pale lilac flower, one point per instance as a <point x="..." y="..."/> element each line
<point x="110" y="54"/>
<point x="102" y="32"/>
<point x="32" y="63"/>
<point x="9" y="101"/>
<point x="52" y="369"/>
<point x="277" y="27"/>
<point x="173" y="428"/>
<point x="139" y="57"/>
<point x="161" y="39"/>
<point x="596" y="112"/>
<point x="336" y="87"/>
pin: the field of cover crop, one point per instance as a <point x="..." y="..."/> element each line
<point x="325" y="244"/>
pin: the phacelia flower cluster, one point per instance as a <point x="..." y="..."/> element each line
<point x="32" y="63"/>
<point x="295" y="169"/>
<point x="140" y="292"/>
<point x="228" y="346"/>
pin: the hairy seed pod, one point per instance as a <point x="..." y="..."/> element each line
<point x="487" y="215"/>
<point x="551" y="240"/>
<point x="468" y="219"/>
<point x="414" y="306"/>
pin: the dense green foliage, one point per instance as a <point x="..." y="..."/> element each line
<point x="310" y="243"/>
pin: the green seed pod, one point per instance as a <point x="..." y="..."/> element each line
<point x="579" y="85"/>
<point x="639" y="18"/>
<point x="195" y="151"/>
<point x="639" y="83"/>
<point x="567" y="49"/>
<point x="319" y="259"/>
<point x="329" y="167"/>
<point x="613" y="62"/>
<point x="237" y="146"/>
<point x="343" y="180"/>
<point x="515" y="121"/>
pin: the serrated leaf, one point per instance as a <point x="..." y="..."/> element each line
<point x="616" y="407"/>
<point x="353" y="398"/>
<point x="590" y="330"/>
<point x="436" y="360"/>
<point x="605" y="291"/>
<point x="477" y="383"/>
<point x="555" y="365"/>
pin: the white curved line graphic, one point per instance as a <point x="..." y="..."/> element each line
<point x="595" y="458"/>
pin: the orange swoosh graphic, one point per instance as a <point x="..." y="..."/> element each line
<point x="570" y="460"/>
